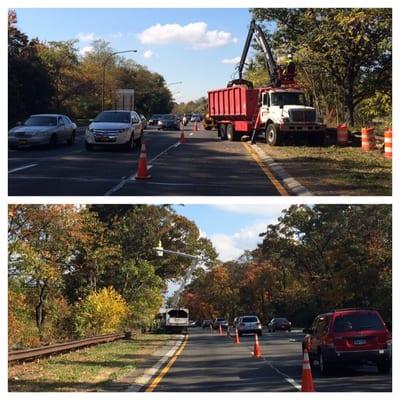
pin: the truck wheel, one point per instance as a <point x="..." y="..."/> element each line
<point x="230" y="133"/>
<point x="222" y="131"/>
<point x="272" y="135"/>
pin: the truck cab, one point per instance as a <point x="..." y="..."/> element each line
<point x="287" y="110"/>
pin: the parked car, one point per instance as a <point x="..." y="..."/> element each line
<point x="249" y="324"/>
<point x="168" y="121"/>
<point x="279" y="324"/>
<point x="349" y="337"/>
<point x="114" y="128"/>
<point x="220" y="322"/>
<point x="144" y="121"/>
<point x="154" y="119"/>
<point x="39" y="129"/>
<point x="206" y="323"/>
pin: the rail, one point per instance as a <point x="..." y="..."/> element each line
<point x="38" y="352"/>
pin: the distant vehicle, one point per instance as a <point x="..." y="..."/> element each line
<point x="168" y="121"/>
<point x="154" y="119"/>
<point x="177" y="320"/>
<point x="114" y="128"/>
<point x="249" y="324"/>
<point x="220" y="322"/>
<point x="279" y="324"/>
<point x="195" y="118"/>
<point x="39" y="129"/>
<point x="206" y="323"/>
<point x="192" y="324"/>
<point x="144" y="121"/>
<point x="349" y="337"/>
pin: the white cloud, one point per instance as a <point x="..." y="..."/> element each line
<point x="195" y="34"/>
<point x="85" y="50"/>
<point x="234" y="60"/>
<point x="266" y="210"/>
<point x="232" y="246"/>
<point x="149" y="54"/>
<point x="86" y="37"/>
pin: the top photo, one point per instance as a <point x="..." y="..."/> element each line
<point x="200" y="102"/>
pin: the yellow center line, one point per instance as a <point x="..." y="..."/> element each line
<point x="153" y="385"/>
<point x="266" y="170"/>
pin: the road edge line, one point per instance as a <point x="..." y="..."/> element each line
<point x="156" y="381"/>
<point x="290" y="183"/>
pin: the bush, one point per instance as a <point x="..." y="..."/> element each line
<point x="100" y="313"/>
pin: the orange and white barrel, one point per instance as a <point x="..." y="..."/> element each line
<point x="342" y="135"/>
<point x="388" y="143"/>
<point x="367" y="139"/>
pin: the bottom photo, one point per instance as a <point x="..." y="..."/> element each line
<point x="199" y="298"/>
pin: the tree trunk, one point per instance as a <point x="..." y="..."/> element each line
<point x="40" y="309"/>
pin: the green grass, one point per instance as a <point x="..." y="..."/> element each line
<point x="336" y="171"/>
<point x="84" y="370"/>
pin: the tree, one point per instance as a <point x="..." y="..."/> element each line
<point x="352" y="46"/>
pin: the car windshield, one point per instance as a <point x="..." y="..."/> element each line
<point x="156" y="116"/>
<point x="250" y="319"/>
<point x="177" y="314"/>
<point x="111" y="116"/>
<point x="357" y="322"/>
<point x="41" y="120"/>
<point x="168" y="117"/>
<point x="281" y="320"/>
<point x="287" y="98"/>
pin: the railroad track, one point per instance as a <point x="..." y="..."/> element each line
<point x="44" y="351"/>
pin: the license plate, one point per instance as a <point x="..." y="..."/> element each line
<point x="360" y="341"/>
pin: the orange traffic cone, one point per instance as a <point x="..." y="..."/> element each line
<point x="236" y="340"/>
<point x="307" y="384"/>
<point x="220" y="330"/>
<point x="142" y="172"/>
<point x="257" y="348"/>
<point x="182" y="138"/>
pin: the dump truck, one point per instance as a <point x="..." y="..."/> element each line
<point x="275" y="111"/>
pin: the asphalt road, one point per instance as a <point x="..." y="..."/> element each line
<point x="211" y="363"/>
<point x="203" y="165"/>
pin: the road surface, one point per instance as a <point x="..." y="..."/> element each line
<point x="211" y="363"/>
<point x="203" y="165"/>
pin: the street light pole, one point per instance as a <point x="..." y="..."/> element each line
<point x="174" y="83"/>
<point x="104" y="72"/>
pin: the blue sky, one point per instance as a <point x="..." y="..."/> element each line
<point x="232" y="228"/>
<point x="195" y="46"/>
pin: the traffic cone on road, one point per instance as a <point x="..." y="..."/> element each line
<point x="142" y="172"/>
<point x="257" y="348"/>
<point x="307" y="384"/>
<point x="182" y="138"/>
<point x="220" y="330"/>
<point x="236" y="340"/>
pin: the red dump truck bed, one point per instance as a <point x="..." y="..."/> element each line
<point x="236" y="103"/>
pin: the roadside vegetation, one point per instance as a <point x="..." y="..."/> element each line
<point x="312" y="260"/>
<point x="78" y="271"/>
<point x="95" y="368"/>
<point x="55" y="77"/>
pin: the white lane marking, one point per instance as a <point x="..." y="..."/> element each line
<point x="150" y="372"/>
<point x="123" y="181"/>
<point x="23" y="167"/>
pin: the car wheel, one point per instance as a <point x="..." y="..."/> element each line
<point x="383" y="366"/>
<point x="272" y="135"/>
<point x="71" y="140"/>
<point x="88" y="146"/>
<point x="53" y="140"/>
<point x="324" y="367"/>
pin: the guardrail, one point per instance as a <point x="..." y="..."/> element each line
<point x="38" y="352"/>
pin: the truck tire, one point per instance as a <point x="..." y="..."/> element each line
<point x="273" y="136"/>
<point x="230" y="133"/>
<point x="222" y="131"/>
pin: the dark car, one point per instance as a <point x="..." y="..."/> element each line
<point x="220" y="322"/>
<point x="168" y="121"/>
<point x="349" y="337"/>
<point x="153" y="121"/>
<point x="279" y="324"/>
<point x="206" y="323"/>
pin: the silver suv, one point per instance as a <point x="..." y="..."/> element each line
<point x="249" y="324"/>
<point x="114" y="128"/>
